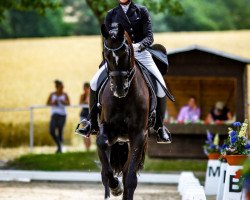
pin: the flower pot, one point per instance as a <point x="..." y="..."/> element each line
<point x="236" y="159"/>
<point x="248" y="196"/>
<point x="213" y="156"/>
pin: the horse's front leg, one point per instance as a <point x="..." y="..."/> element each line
<point x="108" y="179"/>
<point x="133" y="163"/>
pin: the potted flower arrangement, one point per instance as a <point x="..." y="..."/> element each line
<point x="236" y="147"/>
<point x="212" y="148"/>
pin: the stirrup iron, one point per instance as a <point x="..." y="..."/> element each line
<point x="81" y="128"/>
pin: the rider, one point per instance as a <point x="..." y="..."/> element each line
<point x="137" y="23"/>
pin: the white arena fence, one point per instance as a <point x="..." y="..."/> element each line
<point x="31" y="114"/>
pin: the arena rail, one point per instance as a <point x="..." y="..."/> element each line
<point x="31" y="111"/>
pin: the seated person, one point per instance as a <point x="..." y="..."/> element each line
<point x="189" y="112"/>
<point x="219" y="113"/>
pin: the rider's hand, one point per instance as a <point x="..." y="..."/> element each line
<point x="55" y="103"/>
<point x="137" y="47"/>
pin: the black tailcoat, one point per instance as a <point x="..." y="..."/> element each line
<point x="136" y="22"/>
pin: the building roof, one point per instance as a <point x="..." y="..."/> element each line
<point x="208" y="50"/>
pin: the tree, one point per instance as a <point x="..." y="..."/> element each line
<point x="239" y="12"/>
<point x="27" y="5"/>
<point x="211" y="15"/>
<point x="30" y="24"/>
<point x="81" y="16"/>
<point x="100" y="7"/>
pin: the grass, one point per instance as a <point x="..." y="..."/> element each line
<point x="29" y="66"/>
<point x="72" y="161"/>
<point x="15" y="135"/>
<point x="88" y="161"/>
<point x="160" y="165"/>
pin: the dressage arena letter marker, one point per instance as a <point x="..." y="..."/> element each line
<point x="223" y="170"/>
<point x="212" y="177"/>
<point x="213" y="173"/>
<point x="234" y="184"/>
<point x="232" y="190"/>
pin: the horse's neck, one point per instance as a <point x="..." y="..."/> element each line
<point x="138" y="80"/>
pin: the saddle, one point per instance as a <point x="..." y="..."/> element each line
<point x="159" y="55"/>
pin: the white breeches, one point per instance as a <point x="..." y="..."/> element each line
<point x="146" y="59"/>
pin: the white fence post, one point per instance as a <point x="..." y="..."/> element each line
<point x="31" y="110"/>
<point x="31" y="128"/>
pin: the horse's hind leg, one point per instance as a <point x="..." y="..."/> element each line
<point x="108" y="179"/>
<point x="135" y="158"/>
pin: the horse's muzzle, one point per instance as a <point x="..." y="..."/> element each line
<point x="120" y="93"/>
<point x="120" y="88"/>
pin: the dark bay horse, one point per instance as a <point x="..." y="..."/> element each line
<point x="123" y="119"/>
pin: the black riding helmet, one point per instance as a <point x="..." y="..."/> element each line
<point x="124" y="3"/>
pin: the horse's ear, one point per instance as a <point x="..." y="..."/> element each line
<point x="121" y="31"/>
<point x="104" y="31"/>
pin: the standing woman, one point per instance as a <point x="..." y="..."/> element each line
<point x="58" y="100"/>
<point x="84" y="100"/>
<point x="136" y="21"/>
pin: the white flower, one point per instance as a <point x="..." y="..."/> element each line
<point x="216" y="139"/>
<point x="243" y="129"/>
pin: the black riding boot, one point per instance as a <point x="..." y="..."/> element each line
<point x="163" y="134"/>
<point x="91" y="126"/>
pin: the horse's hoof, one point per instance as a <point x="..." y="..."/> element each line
<point x="118" y="190"/>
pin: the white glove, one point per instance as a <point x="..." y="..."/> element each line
<point x="137" y="47"/>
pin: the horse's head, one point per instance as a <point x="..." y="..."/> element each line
<point x="118" y="53"/>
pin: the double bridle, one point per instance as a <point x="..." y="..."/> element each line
<point x="129" y="74"/>
<point x="116" y="49"/>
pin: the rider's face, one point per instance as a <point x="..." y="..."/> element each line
<point x="123" y="1"/>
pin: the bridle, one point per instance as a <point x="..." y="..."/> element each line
<point x="130" y="73"/>
<point x="116" y="49"/>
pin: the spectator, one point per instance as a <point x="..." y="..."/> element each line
<point x="219" y="113"/>
<point x="189" y="112"/>
<point x="84" y="99"/>
<point x="58" y="100"/>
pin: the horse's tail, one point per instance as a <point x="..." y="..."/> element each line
<point x="118" y="157"/>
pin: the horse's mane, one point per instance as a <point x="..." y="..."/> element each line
<point x="131" y="47"/>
